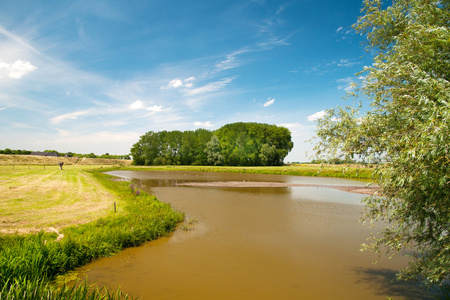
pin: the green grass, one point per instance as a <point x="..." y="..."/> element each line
<point x="29" y="263"/>
<point x="343" y="171"/>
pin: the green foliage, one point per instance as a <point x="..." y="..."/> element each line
<point x="28" y="263"/>
<point x="237" y="144"/>
<point x="407" y="128"/>
<point x="254" y="144"/>
<point x="39" y="289"/>
<point x="16" y="152"/>
<point x="171" y="148"/>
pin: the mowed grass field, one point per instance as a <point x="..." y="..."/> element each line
<point x="33" y="198"/>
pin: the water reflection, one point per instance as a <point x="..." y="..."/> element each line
<point x="253" y="243"/>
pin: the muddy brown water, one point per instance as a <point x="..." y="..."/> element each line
<point x="254" y="243"/>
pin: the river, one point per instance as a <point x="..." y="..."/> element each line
<point x="294" y="242"/>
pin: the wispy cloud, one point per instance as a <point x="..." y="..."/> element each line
<point x="347" y="62"/>
<point x="346" y="83"/>
<point x="231" y="60"/>
<point x="18" y="40"/>
<point x="209" y="87"/>
<point x="344" y="32"/>
<point x="3" y="108"/>
<point x="69" y="116"/>
<point x="269" y="103"/>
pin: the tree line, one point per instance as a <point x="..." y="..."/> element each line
<point x="236" y="144"/>
<point x="67" y="154"/>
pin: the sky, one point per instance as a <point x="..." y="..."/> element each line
<point x="93" y="76"/>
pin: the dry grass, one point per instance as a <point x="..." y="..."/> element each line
<point x="6" y="159"/>
<point x="34" y="198"/>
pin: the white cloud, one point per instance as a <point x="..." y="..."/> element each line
<point x="203" y="124"/>
<point x="17" y="69"/>
<point x="339" y="29"/>
<point x="209" y="87"/>
<point x="270" y="102"/>
<point x="317" y="115"/>
<point x="137" y="104"/>
<point x="178" y="83"/>
<point x="157" y="108"/>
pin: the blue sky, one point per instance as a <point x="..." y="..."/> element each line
<point x="93" y="76"/>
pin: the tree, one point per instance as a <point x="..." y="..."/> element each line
<point x="406" y="127"/>
<point x="236" y="144"/>
<point x="213" y="152"/>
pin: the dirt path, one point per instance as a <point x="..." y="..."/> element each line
<point x="366" y="190"/>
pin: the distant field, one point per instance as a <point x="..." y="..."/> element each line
<point x="11" y="160"/>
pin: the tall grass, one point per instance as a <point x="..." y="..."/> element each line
<point x="29" y="263"/>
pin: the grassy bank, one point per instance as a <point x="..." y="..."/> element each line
<point x="29" y="262"/>
<point x="343" y="171"/>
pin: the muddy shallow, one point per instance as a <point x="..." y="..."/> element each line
<point x="297" y="241"/>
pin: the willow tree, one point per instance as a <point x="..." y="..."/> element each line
<point x="402" y="121"/>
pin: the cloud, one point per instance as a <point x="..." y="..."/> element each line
<point x="157" y="108"/>
<point x="175" y="83"/>
<point x="270" y="102"/>
<point x="209" y="87"/>
<point x="137" y="104"/>
<point x="316" y="116"/>
<point x="3" y="108"/>
<point x="345" y="84"/>
<point x="18" y="40"/>
<point x="17" y="69"/>
<point x="69" y="116"/>
<point x="178" y="83"/>
<point x="344" y="32"/>
<point x="231" y="61"/>
<point x="203" y="124"/>
<point x="347" y="63"/>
